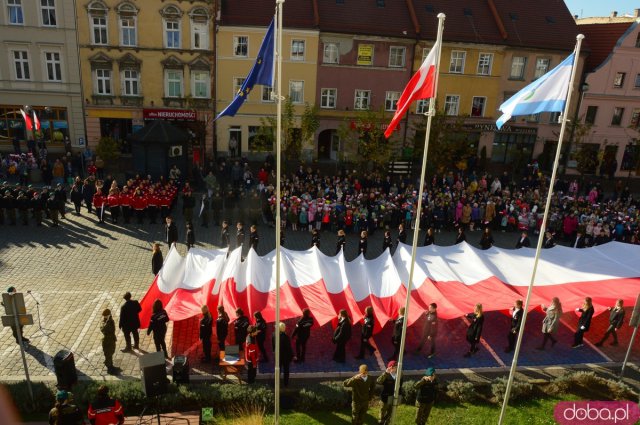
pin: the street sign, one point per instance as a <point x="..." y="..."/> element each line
<point x="24" y="319"/>
<point x="635" y="316"/>
<point x="8" y="303"/>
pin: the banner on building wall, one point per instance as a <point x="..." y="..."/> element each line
<point x="365" y="54"/>
<point x="170" y="114"/>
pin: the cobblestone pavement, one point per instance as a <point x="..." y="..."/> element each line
<point x="76" y="270"/>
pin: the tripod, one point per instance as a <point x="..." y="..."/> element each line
<point x="44" y="331"/>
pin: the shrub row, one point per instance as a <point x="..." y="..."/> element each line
<point x="332" y="396"/>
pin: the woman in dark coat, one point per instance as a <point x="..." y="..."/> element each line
<point x="156" y="259"/>
<point x="428" y="237"/>
<point x="261" y="327"/>
<point x="584" y="322"/>
<point x="222" y="327"/>
<point x="461" y="237"/>
<point x="474" y="332"/>
<point x="367" y="332"/>
<point x="158" y="325"/>
<point x="76" y="196"/>
<point x="362" y="246"/>
<point x="315" y="238"/>
<point x="387" y="242"/>
<point x="206" y="329"/>
<point x="302" y="333"/>
<point x="341" y="336"/>
<point x="486" y="241"/>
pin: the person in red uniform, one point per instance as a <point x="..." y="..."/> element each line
<point x="251" y="354"/>
<point x="113" y="200"/>
<point x="105" y="410"/>
<point x="165" y="204"/>
<point x="152" y="204"/>
<point x="125" y="204"/>
<point x="139" y="203"/>
<point x="98" y="203"/>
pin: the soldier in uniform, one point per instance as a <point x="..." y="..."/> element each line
<point x="426" y="393"/>
<point x="388" y="382"/>
<point x="108" y="329"/>
<point x="188" y="203"/>
<point x="362" y="387"/>
<point x="204" y="211"/>
<point x="37" y="204"/>
<point x="61" y="197"/>
<point x="22" y="202"/>
<point x="9" y="205"/>
<point x="52" y="207"/>
<point x="224" y="235"/>
<point x="253" y="237"/>
<point x="239" y="234"/>
<point x="216" y="206"/>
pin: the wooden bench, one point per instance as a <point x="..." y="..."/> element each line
<point x="232" y="362"/>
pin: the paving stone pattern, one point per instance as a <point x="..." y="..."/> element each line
<point x="76" y="270"/>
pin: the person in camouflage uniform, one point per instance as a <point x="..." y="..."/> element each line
<point x="426" y="393"/>
<point x="108" y="329"/>
<point x="362" y="387"/>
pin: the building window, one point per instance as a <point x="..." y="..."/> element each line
<point x="103" y="81"/>
<point x="174" y="83"/>
<point x="330" y="53"/>
<point x="266" y="94"/>
<point x="240" y="45"/>
<point x="542" y="67"/>
<point x="199" y="29"/>
<point x="635" y="118"/>
<point x="128" y="31"/>
<point x="14" y="12"/>
<point x="457" y="62"/>
<point x="451" y="104"/>
<point x="554" y="118"/>
<point x="391" y="100"/>
<point x="130" y="82"/>
<point x="422" y="106"/>
<point x="617" y="116"/>
<point x="362" y="100"/>
<point x="533" y="118"/>
<point x="590" y="117"/>
<point x="99" y="30"/>
<point x="48" y="11"/>
<point x="172" y="34"/>
<point x="509" y="147"/>
<point x="54" y="66"/>
<point x="618" y="81"/>
<point x="518" y="64"/>
<point x="21" y="63"/>
<point x="297" y="50"/>
<point x="237" y="84"/>
<point x="477" y="106"/>
<point x="296" y="91"/>
<point x="200" y="84"/>
<point x="637" y="85"/>
<point x="396" y="56"/>
<point x="328" y="98"/>
<point x="485" y="60"/>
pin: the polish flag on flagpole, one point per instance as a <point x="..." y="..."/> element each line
<point x="36" y="121"/>
<point x="27" y="120"/>
<point x="421" y="86"/>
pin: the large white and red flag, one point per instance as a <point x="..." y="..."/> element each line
<point x="27" y="120"/>
<point x="421" y="86"/>
<point x="36" y="121"/>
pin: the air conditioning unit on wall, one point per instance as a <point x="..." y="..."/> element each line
<point x="175" y="151"/>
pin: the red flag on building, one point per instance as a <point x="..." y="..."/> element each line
<point x="421" y="86"/>
<point x="36" y="121"/>
<point x="27" y="120"/>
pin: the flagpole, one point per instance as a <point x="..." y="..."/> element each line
<point x="416" y="233"/>
<point x="543" y="227"/>
<point x="279" y="97"/>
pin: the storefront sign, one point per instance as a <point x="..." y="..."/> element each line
<point x="170" y="114"/>
<point x="504" y="129"/>
<point x="368" y="126"/>
<point x="365" y="54"/>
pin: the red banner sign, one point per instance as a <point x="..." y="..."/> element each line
<point x="170" y="114"/>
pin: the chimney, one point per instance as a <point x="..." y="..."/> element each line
<point x="636" y="13"/>
<point x="614" y="14"/>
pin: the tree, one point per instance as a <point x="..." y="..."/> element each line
<point x="291" y="143"/>
<point x="309" y="123"/>
<point x="449" y="146"/>
<point x="108" y="149"/>
<point x="363" y="136"/>
<point x="586" y="154"/>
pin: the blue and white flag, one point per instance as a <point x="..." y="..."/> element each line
<point x="547" y="94"/>
<point x="261" y="73"/>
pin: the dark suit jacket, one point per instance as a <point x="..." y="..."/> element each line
<point x="616" y="318"/>
<point x="286" y="352"/>
<point x="525" y="242"/>
<point x="342" y="333"/>
<point x="516" y="320"/>
<point x="129" y="319"/>
<point x="171" y="233"/>
<point x="578" y="242"/>
<point x="475" y="328"/>
<point x="585" y="318"/>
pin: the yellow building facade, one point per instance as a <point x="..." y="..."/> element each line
<point x="237" y="49"/>
<point x="146" y="60"/>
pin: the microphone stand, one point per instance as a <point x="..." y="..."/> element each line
<point x="45" y="332"/>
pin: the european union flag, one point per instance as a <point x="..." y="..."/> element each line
<point x="261" y="73"/>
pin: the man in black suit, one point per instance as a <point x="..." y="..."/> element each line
<point x="549" y="242"/>
<point x="239" y="234"/>
<point x="616" y="318"/>
<point x="171" y="231"/>
<point x="579" y="240"/>
<point x="286" y="352"/>
<point x="516" y="321"/>
<point x="129" y="322"/>
<point x="224" y="235"/>
<point x="396" y="338"/>
<point x="523" y="241"/>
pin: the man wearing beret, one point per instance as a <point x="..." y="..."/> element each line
<point x="388" y="382"/>
<point x="65" y="412"/>
<point x="108" y="329"/>
<point x="426" y="392"/>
